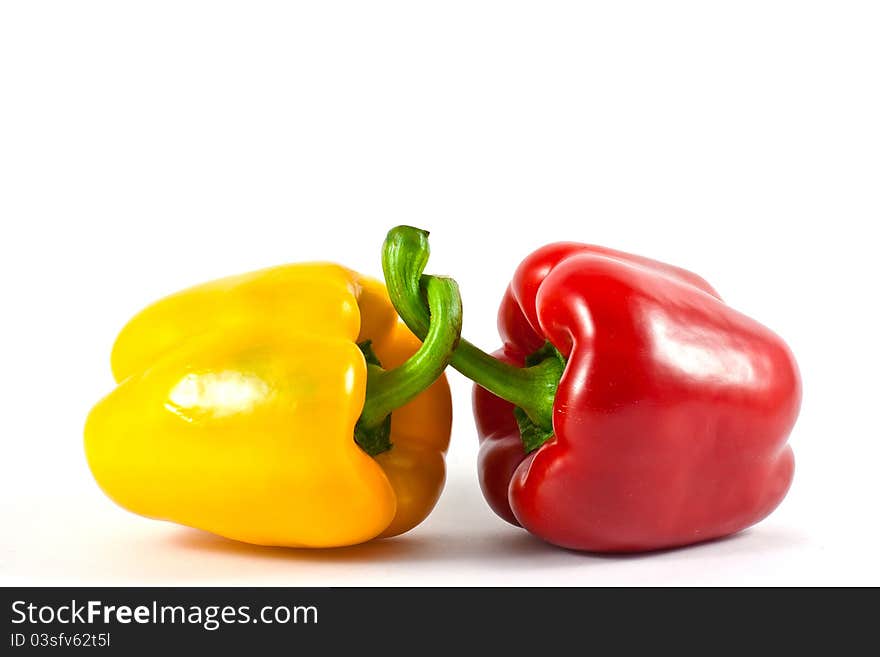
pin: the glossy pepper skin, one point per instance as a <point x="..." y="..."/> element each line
<point x="670" y="420"/>
<point x="236" y="407"/>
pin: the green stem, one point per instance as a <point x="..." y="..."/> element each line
<point x="391" y="389"/>
<point x="532" y="389"/>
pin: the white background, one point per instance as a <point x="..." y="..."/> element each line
<point x="148" y="146"/>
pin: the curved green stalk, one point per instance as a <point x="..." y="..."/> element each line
<point x="391" y="389"/>
<point x="532" y="389"/>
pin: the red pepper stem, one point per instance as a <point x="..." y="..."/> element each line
<point x="533" y="389"/>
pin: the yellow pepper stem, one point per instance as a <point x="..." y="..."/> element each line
<point x="532" y="389"/>
<point x="391" y="389"/>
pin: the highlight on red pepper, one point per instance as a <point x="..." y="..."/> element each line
<point x="629" y="409"/>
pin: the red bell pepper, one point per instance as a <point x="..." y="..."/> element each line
<point x="630" y="408"/>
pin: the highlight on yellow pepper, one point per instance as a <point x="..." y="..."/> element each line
<point x="288" y="407"/>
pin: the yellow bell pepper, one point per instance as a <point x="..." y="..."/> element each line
<point x="255" y="407"/>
